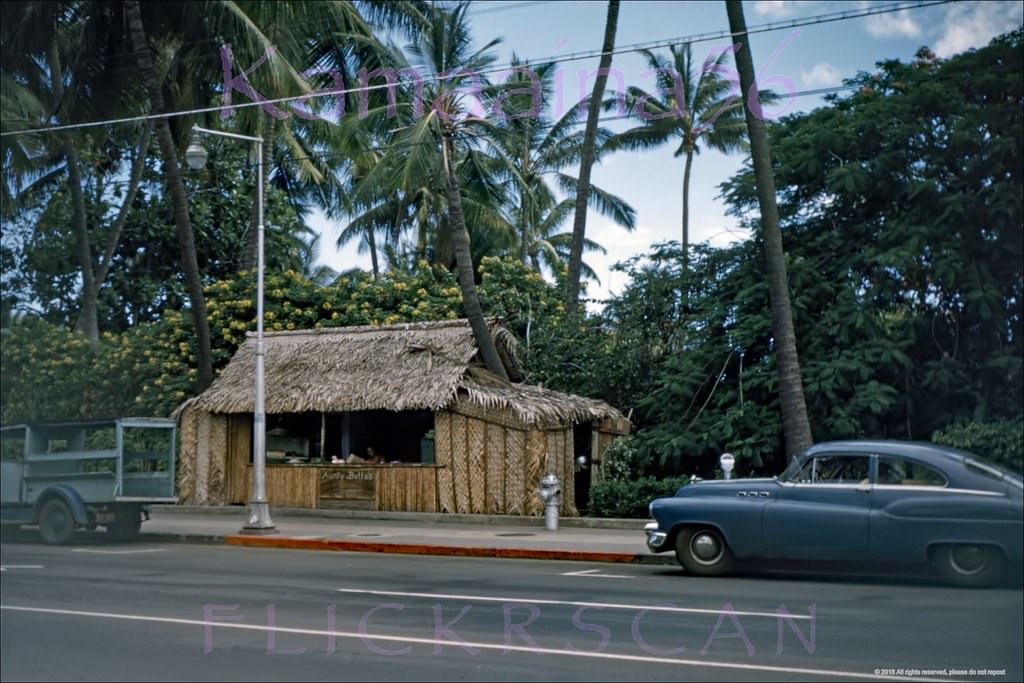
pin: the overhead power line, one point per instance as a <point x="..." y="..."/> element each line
<point x="635" y="47"/>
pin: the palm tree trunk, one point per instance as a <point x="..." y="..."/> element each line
<point x="176" y="188"/>
<point x="421" y="240"/>
<point x="464" y="268"/>
<point x="579" y="226"/>
<point x="134" y="180"/>
<point x="371" y="243"/>
<point x="524" y="235"/>
<point x="88" y="318"/>
<point x="686" y="228"/>
<point x="796" y="427"/>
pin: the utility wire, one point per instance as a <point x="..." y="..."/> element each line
<point x="605" y="119"/>
<point x="635" y="47"/>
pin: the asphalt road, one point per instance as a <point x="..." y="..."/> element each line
<point x="105" y="612"/>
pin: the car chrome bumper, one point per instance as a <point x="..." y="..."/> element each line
<point x="655" y="538"/>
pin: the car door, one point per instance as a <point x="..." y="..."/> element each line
<point x="905" y="491"/>
<point x="824" y="509"/>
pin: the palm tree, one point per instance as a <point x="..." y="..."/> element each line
<point x="549" y="248"/>
<point x="579" y="226"/>
<point x="438" y="145"/>
<point x="331" y="35"/>
<point x="534" y="150"/>
<point x="693" y="108"/>
<point x="176" y="188"/>
<point x="246" y="24"/>
<point x="48" y="77"/>
<point x="796" y="427"/>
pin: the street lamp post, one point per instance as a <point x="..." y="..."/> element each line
<point x="259" y="521"/>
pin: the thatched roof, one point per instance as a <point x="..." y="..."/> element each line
<point x="413" y="366"/>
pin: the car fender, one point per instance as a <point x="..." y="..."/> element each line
<point x="737" y="519"/>
<point x="74" y="501"/>
<point x="921" y="523"/>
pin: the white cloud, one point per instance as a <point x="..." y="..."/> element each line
<point x="775" y="8"/>
<point x="821" y="75"/>
<point x="892" y="25"/>
<point x="974" y="24"/>
<point x="620" y="244"/>
<point x="772" y="8"/>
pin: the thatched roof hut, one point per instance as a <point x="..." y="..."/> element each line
<point x="412" y="366"/>
<point x="466" y="440"/>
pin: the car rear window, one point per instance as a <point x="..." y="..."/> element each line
<point x="902" y="472"/>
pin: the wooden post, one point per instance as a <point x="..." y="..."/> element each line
<point x="323" y="433"/>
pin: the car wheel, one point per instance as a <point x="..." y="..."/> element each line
<point x="56" y="523"/>
<point x="703" y="552"/>
<point x="969" y="565"/>
<point x="126" y="524"/>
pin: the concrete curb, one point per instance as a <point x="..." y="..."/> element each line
<point x="322" y="544"/>
<point x="425" y="549"/>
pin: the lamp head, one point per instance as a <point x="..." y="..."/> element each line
<point x="196" y="154"/>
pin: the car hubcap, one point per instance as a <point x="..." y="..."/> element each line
<point x="967" y="559"/>
<point x="706" y="548"/>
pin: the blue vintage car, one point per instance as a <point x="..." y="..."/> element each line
<point x="885" y="502"/>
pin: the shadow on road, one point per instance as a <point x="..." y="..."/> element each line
<point x="30" y="535"/>
<point x="847" y="573"/>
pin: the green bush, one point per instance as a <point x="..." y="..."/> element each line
<point x="1001" y="441"/>
<point x="629" y="499"/>
<point x="622" y="460"/>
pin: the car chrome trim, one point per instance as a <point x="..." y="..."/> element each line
<point x="935" y="489"/>
<point x="809" y="485"/>
<point x="893" y="487"/>
<point x="655" y="538"/>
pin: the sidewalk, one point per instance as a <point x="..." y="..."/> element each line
<point x="592" y="540"/>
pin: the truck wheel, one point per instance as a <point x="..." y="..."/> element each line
<point x="703" y="552"/>
<point x="126" y="524"/>
<point x="56" y="523"/>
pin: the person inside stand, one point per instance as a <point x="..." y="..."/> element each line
<point x="372" y="458"/>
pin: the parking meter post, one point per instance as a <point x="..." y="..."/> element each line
<point x="551" y="493"/>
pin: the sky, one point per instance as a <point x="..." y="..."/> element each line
<point x="788" y="60"/>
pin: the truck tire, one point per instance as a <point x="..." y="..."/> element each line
<point x="126" y="524"/>
<point x="56" y="523"/>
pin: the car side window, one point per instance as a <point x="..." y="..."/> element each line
<point x="900" y="472"/>
<point x="835" y="469"/>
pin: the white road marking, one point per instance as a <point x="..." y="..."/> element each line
<point x="540" y="601"/>
<point x="5" y="567"/>
<point x="118" y="552"/>
<point x="596" y="573"/>
<point x="369" y="639"/>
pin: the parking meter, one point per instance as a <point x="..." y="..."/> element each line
<point x="727" y="461"/>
